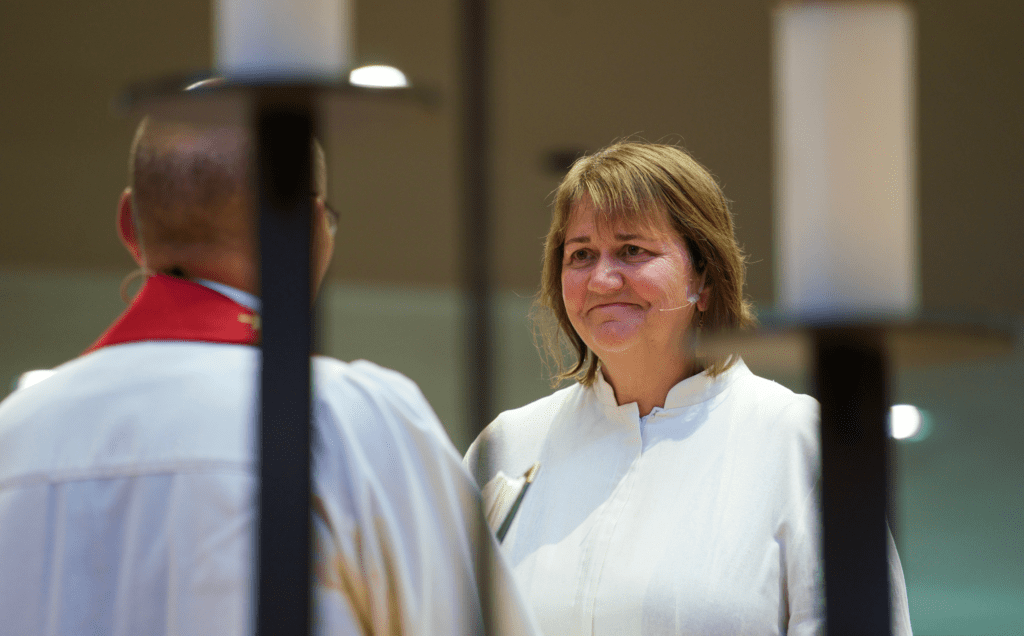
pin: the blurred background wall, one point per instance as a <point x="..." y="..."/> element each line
<point x="568" y="76"/>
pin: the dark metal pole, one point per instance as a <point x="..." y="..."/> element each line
<point x="851" y="374"/>
<point x="476" y="252"/>
<point x="283" y="545"/>
<point x="476" y="237"/>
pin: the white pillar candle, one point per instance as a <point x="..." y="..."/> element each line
<point x="281" y="39"/>
<point x="845" y="203"/>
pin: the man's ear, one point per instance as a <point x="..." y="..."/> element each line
<point x="126" y="226"/>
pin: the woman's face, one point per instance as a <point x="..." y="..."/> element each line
<point x="626" y="288"/>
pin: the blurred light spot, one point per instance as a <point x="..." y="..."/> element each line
<point x="905" y="421"/>
<point x="378" y="76"/>
<point x="32" y="377"/>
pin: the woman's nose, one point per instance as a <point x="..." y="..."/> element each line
<point x="605" y="276"/>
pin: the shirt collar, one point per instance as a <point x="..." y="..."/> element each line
<point x="693" y="390"/>
<point x="243" y="298"/>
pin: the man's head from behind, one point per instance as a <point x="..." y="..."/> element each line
<point x="190" y="208"/>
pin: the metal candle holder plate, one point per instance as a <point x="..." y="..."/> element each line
<point x="213" y="101"/>
<point x="785" y="345"/>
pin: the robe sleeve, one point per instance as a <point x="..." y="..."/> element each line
<point x="398" y="518"/>
<point x="805" y="577"/>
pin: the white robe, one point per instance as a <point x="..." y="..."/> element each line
<point x="126" y="486"/>
<point x="700" y="518"/>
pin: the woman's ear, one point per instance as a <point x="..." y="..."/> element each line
<point x="126" y="227"/>
<point x="704" y="297"/>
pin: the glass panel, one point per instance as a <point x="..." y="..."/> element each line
<point x="960" y="485"/>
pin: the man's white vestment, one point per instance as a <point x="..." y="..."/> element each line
<point x="127" y="481"/>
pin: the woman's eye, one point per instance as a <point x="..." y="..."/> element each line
<point x="633" y="250"/>
<point x="578" y="255"/>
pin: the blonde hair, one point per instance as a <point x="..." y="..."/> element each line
<point x="632" y="182"/>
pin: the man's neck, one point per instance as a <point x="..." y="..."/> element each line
<point x="233" y="268"/>
<point x="240" y="296"/>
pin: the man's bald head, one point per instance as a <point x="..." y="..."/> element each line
<point x="192" y="193"/>
<point x="191" y="186"/>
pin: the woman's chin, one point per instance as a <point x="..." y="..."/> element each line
<point x="612" y="340"/>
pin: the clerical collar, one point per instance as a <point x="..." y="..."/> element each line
<point x="177" y="309"/>
<point x="243" y="298"/>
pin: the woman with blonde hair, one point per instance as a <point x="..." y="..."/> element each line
<point x="676" y="493"/>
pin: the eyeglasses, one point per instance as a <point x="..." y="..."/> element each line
<point x="332" y="216"/>
<point x="332" y="219"/>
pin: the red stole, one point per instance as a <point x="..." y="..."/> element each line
<point x="169" y="308"/>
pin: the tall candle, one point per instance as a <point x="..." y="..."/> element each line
<point x="283" y="38"/>
<point x="845" y="202"/>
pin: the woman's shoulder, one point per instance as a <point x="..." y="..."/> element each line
<point x="771" y="398"/>
<point x="516" y="436"/>
<point x="767" y="407"/>
<point x="539" y="412"/>
<point x="776" y="435"/>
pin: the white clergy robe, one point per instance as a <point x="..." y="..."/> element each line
<point x="700" y="518"/>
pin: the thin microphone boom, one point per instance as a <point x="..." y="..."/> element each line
<point x="693" y="301"/>
<point x="692" y="298"/>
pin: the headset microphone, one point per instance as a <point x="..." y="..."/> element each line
<point x="692" y="298"/>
